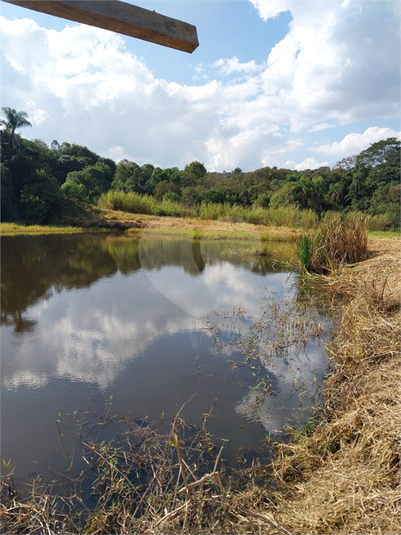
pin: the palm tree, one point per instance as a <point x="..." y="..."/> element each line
<point x="15" y="119"/>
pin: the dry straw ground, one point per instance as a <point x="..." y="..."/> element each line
<point x="340" y="477"/>
<point x="345" y="477"/>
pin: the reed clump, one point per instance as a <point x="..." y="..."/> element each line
<point x="132" y="202"/>
<point x="142" y="204"/>
<point x="337" y="241"/>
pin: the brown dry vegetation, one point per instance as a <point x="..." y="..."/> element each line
<point x="343" y="477"/>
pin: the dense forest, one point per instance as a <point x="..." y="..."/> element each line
<point x="45" y="184"/>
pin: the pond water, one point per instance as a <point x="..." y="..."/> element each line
<point x="148" y="324"/>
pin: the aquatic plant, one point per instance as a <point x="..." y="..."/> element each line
<point x="171" y="481"/>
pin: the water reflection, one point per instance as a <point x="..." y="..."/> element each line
<point x="293" y="388"/>
<point x="34" y="268"/>
<point x="125" y="317"/>
<point x="88" y="335"/>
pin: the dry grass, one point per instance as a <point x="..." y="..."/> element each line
<point x="344" y="478"/>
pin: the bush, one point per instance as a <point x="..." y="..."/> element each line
<point x="171" y="196"/>
<point x="263" y="200"/>
<point x="389" y="220"/>
<point x="292" y="216"/>
<point x="143" y="204"/>
<point x="128" y="202"/>
<point x="33" y="207"/>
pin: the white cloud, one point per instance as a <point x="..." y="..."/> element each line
<point x="355" y="143"/>
<point x="289" y="146"/>
<point x="272" y="8"/>
<point x="338" y="63"/>
<point x="321" y="126"/>
<point x="92" y="335"/>
<point x="233" y="65"/>
<point x="310" y="163"/>
<point x="273" y="155"/>
<point x="290" y="164"/>
<point x="334" y="59"/>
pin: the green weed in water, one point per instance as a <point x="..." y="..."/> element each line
<point x="305" y="251"/>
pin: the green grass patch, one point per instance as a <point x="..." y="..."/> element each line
<point x="384" y="234"/>
<point x="17" y="229"/>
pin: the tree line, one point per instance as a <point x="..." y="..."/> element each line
<point x="43" y="184"/>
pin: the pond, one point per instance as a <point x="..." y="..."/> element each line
<point x="143" y="326"/>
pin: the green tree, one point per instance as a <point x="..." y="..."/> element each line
<point x="357" y="195"/>
<point x="237" y="171"/>
<point x="109" y="168"/>
<point x="62" y="164"/>
<point x="29" y="191"/>
<point x="75" y="192"/>
<point x="191" y="196"/>
<point x="78" y="151"/>
<point x="129" y="177"/>
<point x="386" y="151"/>
<point x="172" y="196"/>
<point x="158" y="175"/>
<point x="94" y="178"/>
<point x="263" y="200"/>
<point x="14" y="120"/>
<point x="302" y="191"/>
<point x="164" y="187"/>
<point x="336" y="194"/>
<point x="147" y="170"/>
<point x="284" y="196"/>
<point x="197" y="169"/>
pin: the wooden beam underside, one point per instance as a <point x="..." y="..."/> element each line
<point x="120" y="17"/>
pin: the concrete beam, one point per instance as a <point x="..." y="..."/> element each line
<point x="120" y="17"/>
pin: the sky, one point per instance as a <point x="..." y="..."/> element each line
<point x="297" y="84"/>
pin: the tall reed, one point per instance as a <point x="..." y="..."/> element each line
<point x="142" y="204"/>
<point x="337" y="241"/>
<point x="289" y="216"/>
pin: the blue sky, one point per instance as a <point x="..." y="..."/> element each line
<point x="291" y="83"/>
